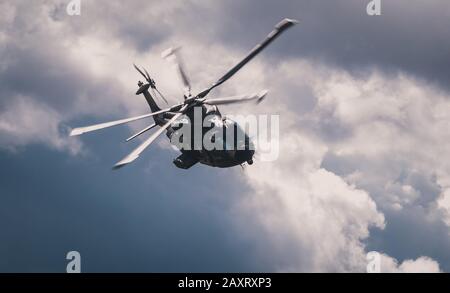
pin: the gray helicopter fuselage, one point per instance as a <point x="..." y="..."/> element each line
<point x="234" y="145"/>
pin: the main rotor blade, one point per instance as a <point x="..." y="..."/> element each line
<point x="149" y="79"/>
<point x="141" y="132"/>
<point x="135" y="154"/>
<point x="172" y="54"/>
<point x="162" y="96"/>
<point x="238" y="99"/>
<point x="81" y="130"/>
<point x="142" y="73"/>
<point x="279" y="28"/>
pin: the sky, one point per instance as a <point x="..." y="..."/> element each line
<point x="364" y="108"/>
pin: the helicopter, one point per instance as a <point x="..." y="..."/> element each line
<point x="172" y="119"/>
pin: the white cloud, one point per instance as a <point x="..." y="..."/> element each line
<point x="398" y="126"/>
<point x="25" y="121"/>
<point x="313" y="220"/>
<point x="444" y="204"/>
<point x="420" y="265"/>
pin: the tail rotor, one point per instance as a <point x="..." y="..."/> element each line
<point x="151" y="83"/>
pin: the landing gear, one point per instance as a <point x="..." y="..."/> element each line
<point x="250" y="162"/>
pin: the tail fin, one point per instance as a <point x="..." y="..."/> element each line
<point x="143" y="89"/>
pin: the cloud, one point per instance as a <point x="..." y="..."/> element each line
<point x="42" y="84"/>
<point x="407" y="37"/>
<point x="310" y="219"/>
<point x="444" y="203"/>
<point x="420" y="265"/>
<point x="27" y="122"/>
<point x="398" y="137"/>
<point x="385" y="158"/>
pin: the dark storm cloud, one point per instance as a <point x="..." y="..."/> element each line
<point x="40" y="66"/>
<point x="139" y="220"/>
<point x="139" y="24"/>
<point x="47" y="76"/>
<point x="413" y="226"/>
<point x="411" y="36"/>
